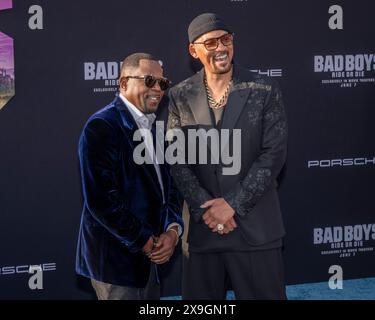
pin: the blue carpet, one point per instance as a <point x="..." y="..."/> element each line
<point x="358" y="289"/>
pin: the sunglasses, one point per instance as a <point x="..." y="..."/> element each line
<point x="150" y="81"/>
<point x="213" y="43"/>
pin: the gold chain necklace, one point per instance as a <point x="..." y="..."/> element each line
<point x="211" y="101"/>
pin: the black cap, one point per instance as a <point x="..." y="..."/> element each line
<point x="204" y="23"/>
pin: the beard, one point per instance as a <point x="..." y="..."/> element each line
<point x="222" y="69"/>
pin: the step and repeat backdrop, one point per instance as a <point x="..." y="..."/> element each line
<point x="59" y="63"/>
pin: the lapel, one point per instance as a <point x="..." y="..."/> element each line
<point x="159" y="143"/>
<point x="130" y="126"/>
<point x="197" y="98"/>
<point x="127" y="121"/>
<point x="236" y="100"/>
<point x="158" y="134"/>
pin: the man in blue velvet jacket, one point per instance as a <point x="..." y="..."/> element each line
<point x="131" y="220"/>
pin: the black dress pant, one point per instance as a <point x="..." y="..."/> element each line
<point x="252" y="275"/>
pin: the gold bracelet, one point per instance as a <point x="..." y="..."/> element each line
<point x="176" y="234"/>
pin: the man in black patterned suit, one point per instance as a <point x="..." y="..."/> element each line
<point x="235" y="226"/>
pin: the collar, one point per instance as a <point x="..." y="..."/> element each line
<point x="145" y="120"/>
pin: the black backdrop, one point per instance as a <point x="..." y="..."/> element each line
<point x="327" y="184"/>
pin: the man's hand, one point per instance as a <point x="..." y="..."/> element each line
<point x="219" y="212"/>
<point x="228" y="227"/>
<point x="147" y="248"/>
<point x="164" y="248"/>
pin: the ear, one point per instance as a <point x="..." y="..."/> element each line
<point x="123" y="83"/>
<point x="192" y="51"/>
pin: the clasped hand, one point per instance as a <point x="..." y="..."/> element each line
<point x="160" y="249"/>
<point x="219" y="212"/>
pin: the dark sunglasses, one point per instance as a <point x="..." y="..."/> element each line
<point x="213" y="43"/>
<point x="150" y="81"/>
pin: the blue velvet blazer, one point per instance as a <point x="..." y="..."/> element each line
<point x="123" y="203"/>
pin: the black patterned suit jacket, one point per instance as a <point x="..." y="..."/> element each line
<point x="255" y="107"/>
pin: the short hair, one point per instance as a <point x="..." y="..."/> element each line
<point x="132" y="61"/>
